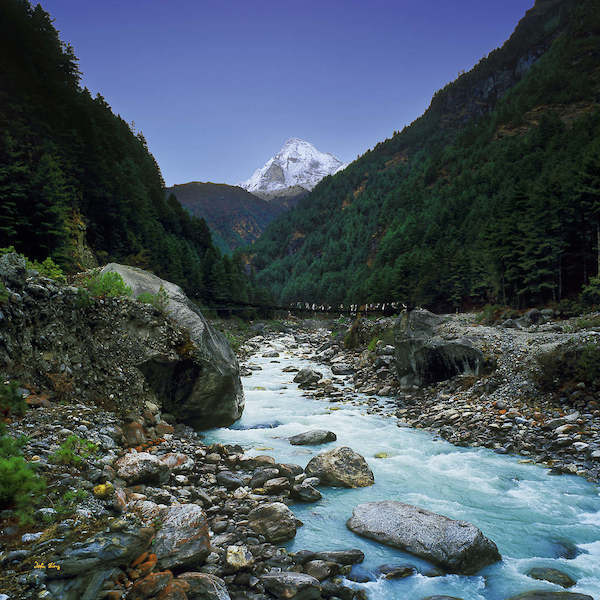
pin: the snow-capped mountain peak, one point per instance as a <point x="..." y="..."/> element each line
<point x="298" y="163"/>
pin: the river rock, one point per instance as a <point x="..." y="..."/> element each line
<point x="202" y="387"/>
<point x="307" y="377"/>
<point x="204" y="586"/>
<point x="183" y="537"/>
<point x="545" y="595"/>
<point x="292" y="586"/>
<point x="306" y="493"/>
<point x="341" y="467"/>
<point x="423" y="358"/>
<point x="313" y="437"/>
<point x="551" y="575"/>
<point x="342" y="557"/>
<point x="455" y="546"/>
<point x="274" y="520"/>
<point x="342" y="369"/>
<point x="141" y="467"/>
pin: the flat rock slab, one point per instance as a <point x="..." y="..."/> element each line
<point x="341" y="467"/>
<point x="183" y="539"/>
<point x="551" y="575"/>
<point x="313" y="437"/>
<point x="455" y="546"/>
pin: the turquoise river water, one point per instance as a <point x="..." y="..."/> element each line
<point x="536" y="519"/>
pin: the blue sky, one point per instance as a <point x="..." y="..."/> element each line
<point x="217" y="86"/>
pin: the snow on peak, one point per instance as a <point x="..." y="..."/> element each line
<point x="298" y="163"/>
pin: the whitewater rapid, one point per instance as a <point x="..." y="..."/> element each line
<point x="536" y="519"/>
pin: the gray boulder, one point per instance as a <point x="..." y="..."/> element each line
<point x="204" y="586"/>
<point x="141" y="467"/>
<point x="202" y="388"/>
<point x="274" y="520"/>
<point x="292" y="586"/>
<point x="183" y="538"/>
<point x="341" y="467"/>
<point x="455" y="546"/>
<point x="422" y="357"/>
<point x="342" y="369"/>
<point x="313" y="437"/>
<point x="307" y="377"/>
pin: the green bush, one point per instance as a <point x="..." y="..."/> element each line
<point x="372" y="344"/>
<point x="568" y="366"/>
<point x="12" y="400"/>
<point x="490" y="314"/>
<point x="20" y="487"/>
<point x="106" y="285"/>
<point x="73" y="451"/>
<point x="160" y="300"/>
<point x="46" y="268"/>
<point x="234" y="341"/>
<point x="69" y="501"/>
<point x="10" y="446"/>
<point x="590" y="294"/>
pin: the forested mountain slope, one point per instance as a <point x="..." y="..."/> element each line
<point x="75" y="176"/>
<point x="235" y="216"/>
<point x="492" y="195"/>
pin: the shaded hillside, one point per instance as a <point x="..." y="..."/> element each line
<point x="77" y="181"/>
<point x="236" y="217"/>
<point x="491" y="196"/>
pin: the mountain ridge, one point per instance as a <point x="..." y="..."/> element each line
<point x="454" y="209"/>
<point x="298" y="163"/>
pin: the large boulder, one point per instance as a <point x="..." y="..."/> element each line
<point x="183" y="538"/>
<point x="141" y="467"/>
<point x="306" y="377"/>
<point x="313" y="437"/>
<point x="455" y="546"/>
<point x="274" y="520"/>
<point x="341" y="467"/>
<point x="292" y="586"/>
<point x="422" y="357"/>
<point x="202" y="388"/>
<point x="204" y="586"/>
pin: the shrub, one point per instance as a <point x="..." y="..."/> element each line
<point x="73" y="451"/>
<point x="106" y="285"/>
<point x="11" y="399"/>
<point x="160" y="300"/>
<point x="20" y="486"/>
<point x="46" y="268"/>
<point x="490" y="314"/>
<point x="590" y="294"/>
<point x="372" y="344"/>
<point x="69" y="500"/>
<point x="10" y="446"/>
<point x="233" y="340"/>
<point x="572" y="365"/>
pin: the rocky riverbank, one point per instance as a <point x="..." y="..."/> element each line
<point x="502" y="407"/>
<point x="169" y="518"/>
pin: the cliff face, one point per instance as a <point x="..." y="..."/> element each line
<point x="476" y="93"/>
<point x="111" y="352"/>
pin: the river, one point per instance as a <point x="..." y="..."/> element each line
<point x="536" y="519"/>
